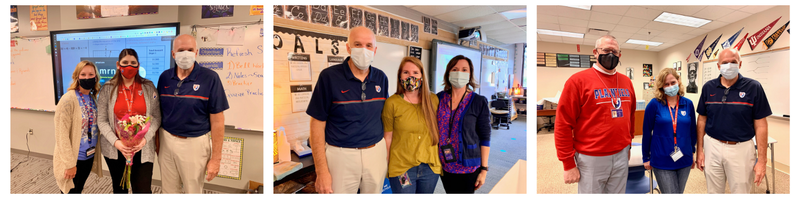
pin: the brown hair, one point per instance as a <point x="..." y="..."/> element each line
<point x="451" y="64"/>
<point x="424" y="96"/>
<point x="76" y="76"/>
<point x="661" y="81"/>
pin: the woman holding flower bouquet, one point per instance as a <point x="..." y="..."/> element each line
<point x="128" y="120"/>
<point x="76" y="152"/>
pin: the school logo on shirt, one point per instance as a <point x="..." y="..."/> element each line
<point x="140" y="92"/>
<point x="378" y="88"/>
<point x="196" y="87"/>
<point x="741" y="94"/>
<point x="683" y="112"/>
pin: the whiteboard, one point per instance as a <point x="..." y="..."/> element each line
<point x="242" y="74"/>
<point x="32" y="75"/>
<point x="771" y="69"/>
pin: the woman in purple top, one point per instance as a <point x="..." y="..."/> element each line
<point x="464" y="129"/>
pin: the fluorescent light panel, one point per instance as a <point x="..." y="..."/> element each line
<point x="681" y="20"/>
<point x="643" y="42"/>
<point x="515" y="14"/>
<point x="559" y="33"/>
<point x="585" y="7"/>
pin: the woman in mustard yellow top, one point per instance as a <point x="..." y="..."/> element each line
<point x="409" y="122"/>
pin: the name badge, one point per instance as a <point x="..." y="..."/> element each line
<point x="90" y="152"/>
<point x="616" y="113"/>
<point x="404" y="180"/>
<point x="449" y="154"/>
<point x="677" y="154"/>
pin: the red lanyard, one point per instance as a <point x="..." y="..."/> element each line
<point x="614" y="105"/>
<point x="674" y="121"/>
<point x="129" y="100"/>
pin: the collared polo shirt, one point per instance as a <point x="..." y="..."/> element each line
<point x="351" y="121"/>
<point x="186" y="104"/>
<point x="733" y="118"/>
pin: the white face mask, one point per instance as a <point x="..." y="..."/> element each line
<point x="459" y="79"/>
<point x="184" y="59"/>
<point x="362" y="57"/>
<point x="729" y="70"/>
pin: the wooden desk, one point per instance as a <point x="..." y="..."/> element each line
<point x="638" y="122"/>
<point x="545" y="113"/>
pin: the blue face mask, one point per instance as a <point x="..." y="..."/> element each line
<point x="671" y="90"/>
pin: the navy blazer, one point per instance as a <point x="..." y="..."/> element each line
<point x="476" y="129"/>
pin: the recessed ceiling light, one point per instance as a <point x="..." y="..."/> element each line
<point x="585" y="7"/>
<point x="643" y="42"/>
<point x="559" y="33"/>
<point x="681" y="20"/>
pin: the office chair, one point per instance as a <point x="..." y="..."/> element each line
<point x="501" y="115"/>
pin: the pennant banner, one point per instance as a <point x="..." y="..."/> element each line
<point x="753" y="40"/>
<point x="697" y="53"/>
<point x="687" y="57"/>
<point x="741" y="42"/>
<point x="774" y="37"/>
<point x="727" y="43"/>
<point x="710" y="49"/>
<point x="715" y="54"/>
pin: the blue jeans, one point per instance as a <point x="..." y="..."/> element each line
<point x="422" y="179"/>
<point x="672" y="181"/>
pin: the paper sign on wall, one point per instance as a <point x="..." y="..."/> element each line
<point x="230" y="36"/>
<point x="335" y="60"/>
<point x="301" y="95"/>
<point x="38" y="18"/>
<point x="299" y="67"/>
<point x="230" y="166"/>
<point x="257" y="10"/>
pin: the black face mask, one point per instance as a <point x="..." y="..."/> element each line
<point x="87" y="84"/>
<point x="608" y="61"/>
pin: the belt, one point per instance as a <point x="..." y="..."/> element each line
<point x="178" y="136"/>
<point x="726" y="142"/>
<point x="367" y="147"/>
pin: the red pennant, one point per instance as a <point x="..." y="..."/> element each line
<point x="756" y="38"/>
<point x="579" y="47"/>
<point x="687" y="57"/>
<point x="741" y="42"/>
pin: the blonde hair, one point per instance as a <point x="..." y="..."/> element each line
<point x="424" y="97"/>
<point x="76" y="76"/>
<point x="661" y="81"/>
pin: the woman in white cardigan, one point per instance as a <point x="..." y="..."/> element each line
<point x="76" y="152"/>
<point x="128" y="93"/>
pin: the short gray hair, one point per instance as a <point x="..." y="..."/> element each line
<point x="610" y="37"/>
<point x="176" y="37"/>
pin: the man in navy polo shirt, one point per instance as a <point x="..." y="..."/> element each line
<point x="345" y="110"/>
<point x="192" y="101"/>
<point x="733" y="110"/>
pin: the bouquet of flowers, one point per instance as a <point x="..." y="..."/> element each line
<point x="131" y="131"/>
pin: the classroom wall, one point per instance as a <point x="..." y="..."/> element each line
<point x="550" y="80"/>
<point x="63" y="18"/>
<point x="778" y="127"/>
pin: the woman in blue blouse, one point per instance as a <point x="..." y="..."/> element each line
<point x="669" y="133"/>
<point x="464" y="129"/>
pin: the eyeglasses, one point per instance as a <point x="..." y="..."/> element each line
<point x="725" y="96"/>
<point x="363" y="88"/>
<point x="179" y="87"/>
<point x="609" y="50"/>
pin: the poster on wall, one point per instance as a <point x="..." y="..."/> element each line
<point x="404" y="30"/>
<point x="38" y="18"/>
<point x="299" y="67"/>
<point x="339" y="16"/>
<point x="415" y="51"/>
<point x="356" y="17"/>
<point x="434" y="27"/>
<point x="230" y="165"/>
<point x="383" y="25"/>
<point x="629" y="72"/>
<point x="370" y="21"/>
<point x="426" y="24"/>
<point x="646" y="85"/>
<point x="301" y="95"/>
<point x="102" y="11"/>
<point x="692" y="87"/>
<point x="257" y="10"/>
<point x="414" y="33"/>
<point x="319" y="15"/>
<point x="215" y="11"/>
<point x="395" y="26"/>
<point x="647" y="70"/>
<point x="299" y="13"/>
<point x="277" y="10"/>
<point x="14" y="20"/>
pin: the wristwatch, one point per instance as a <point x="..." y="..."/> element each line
<point x="483" y="168"/>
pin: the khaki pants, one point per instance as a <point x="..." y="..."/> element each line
<point x="729" y="162"/>
<point x="183" y="162"/>
<point x="352" y="169"/>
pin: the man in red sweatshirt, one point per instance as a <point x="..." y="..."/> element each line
<point x="594" y="123"/>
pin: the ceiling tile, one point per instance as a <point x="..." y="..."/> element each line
<point x="649" y="32"/>
<point x="503" y="32"/>
<point x="548" y="26"/>
<point x="436" y="10"/>
<point x="617" y="10"/>
<point x="680" y="29"/>
<point x="755" y="9"/>
<point x="550" y="38"/>
<point x="641" y="37"/>
<point x="734" y="16"/>
<point x="500" y="9"/>
<point x="543" y="18"/>
<point x="574" y="13"/>
<point x="573" y="22"/>
<point x="574" y="29"/>
<point x="654" y="25"/>
<point x="714" y="25"/>
<point x="606" y="18"/>
<point x="643" y="13"/>
<point x="735" y="7"/>
<point x="630" y="21"/>
<point x="698" y="31"/>
<point x="626" y="29"/>
<point x="601" y="25"/>
<point x="683" y="10"/>
<point x="520" y="21"/>
<point x="478" y="21"/>
<point x="547" y="10"/>
<point x="572" y="40"/>
<point x="496" y="26"/>
<point x="628" y="45"/>
<point x="466" y="13"/>
<point x="713" y="12"/>
<point x="669" y="34"/>
<point x="622" y="35"/>
<point x="659" y="39"/>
